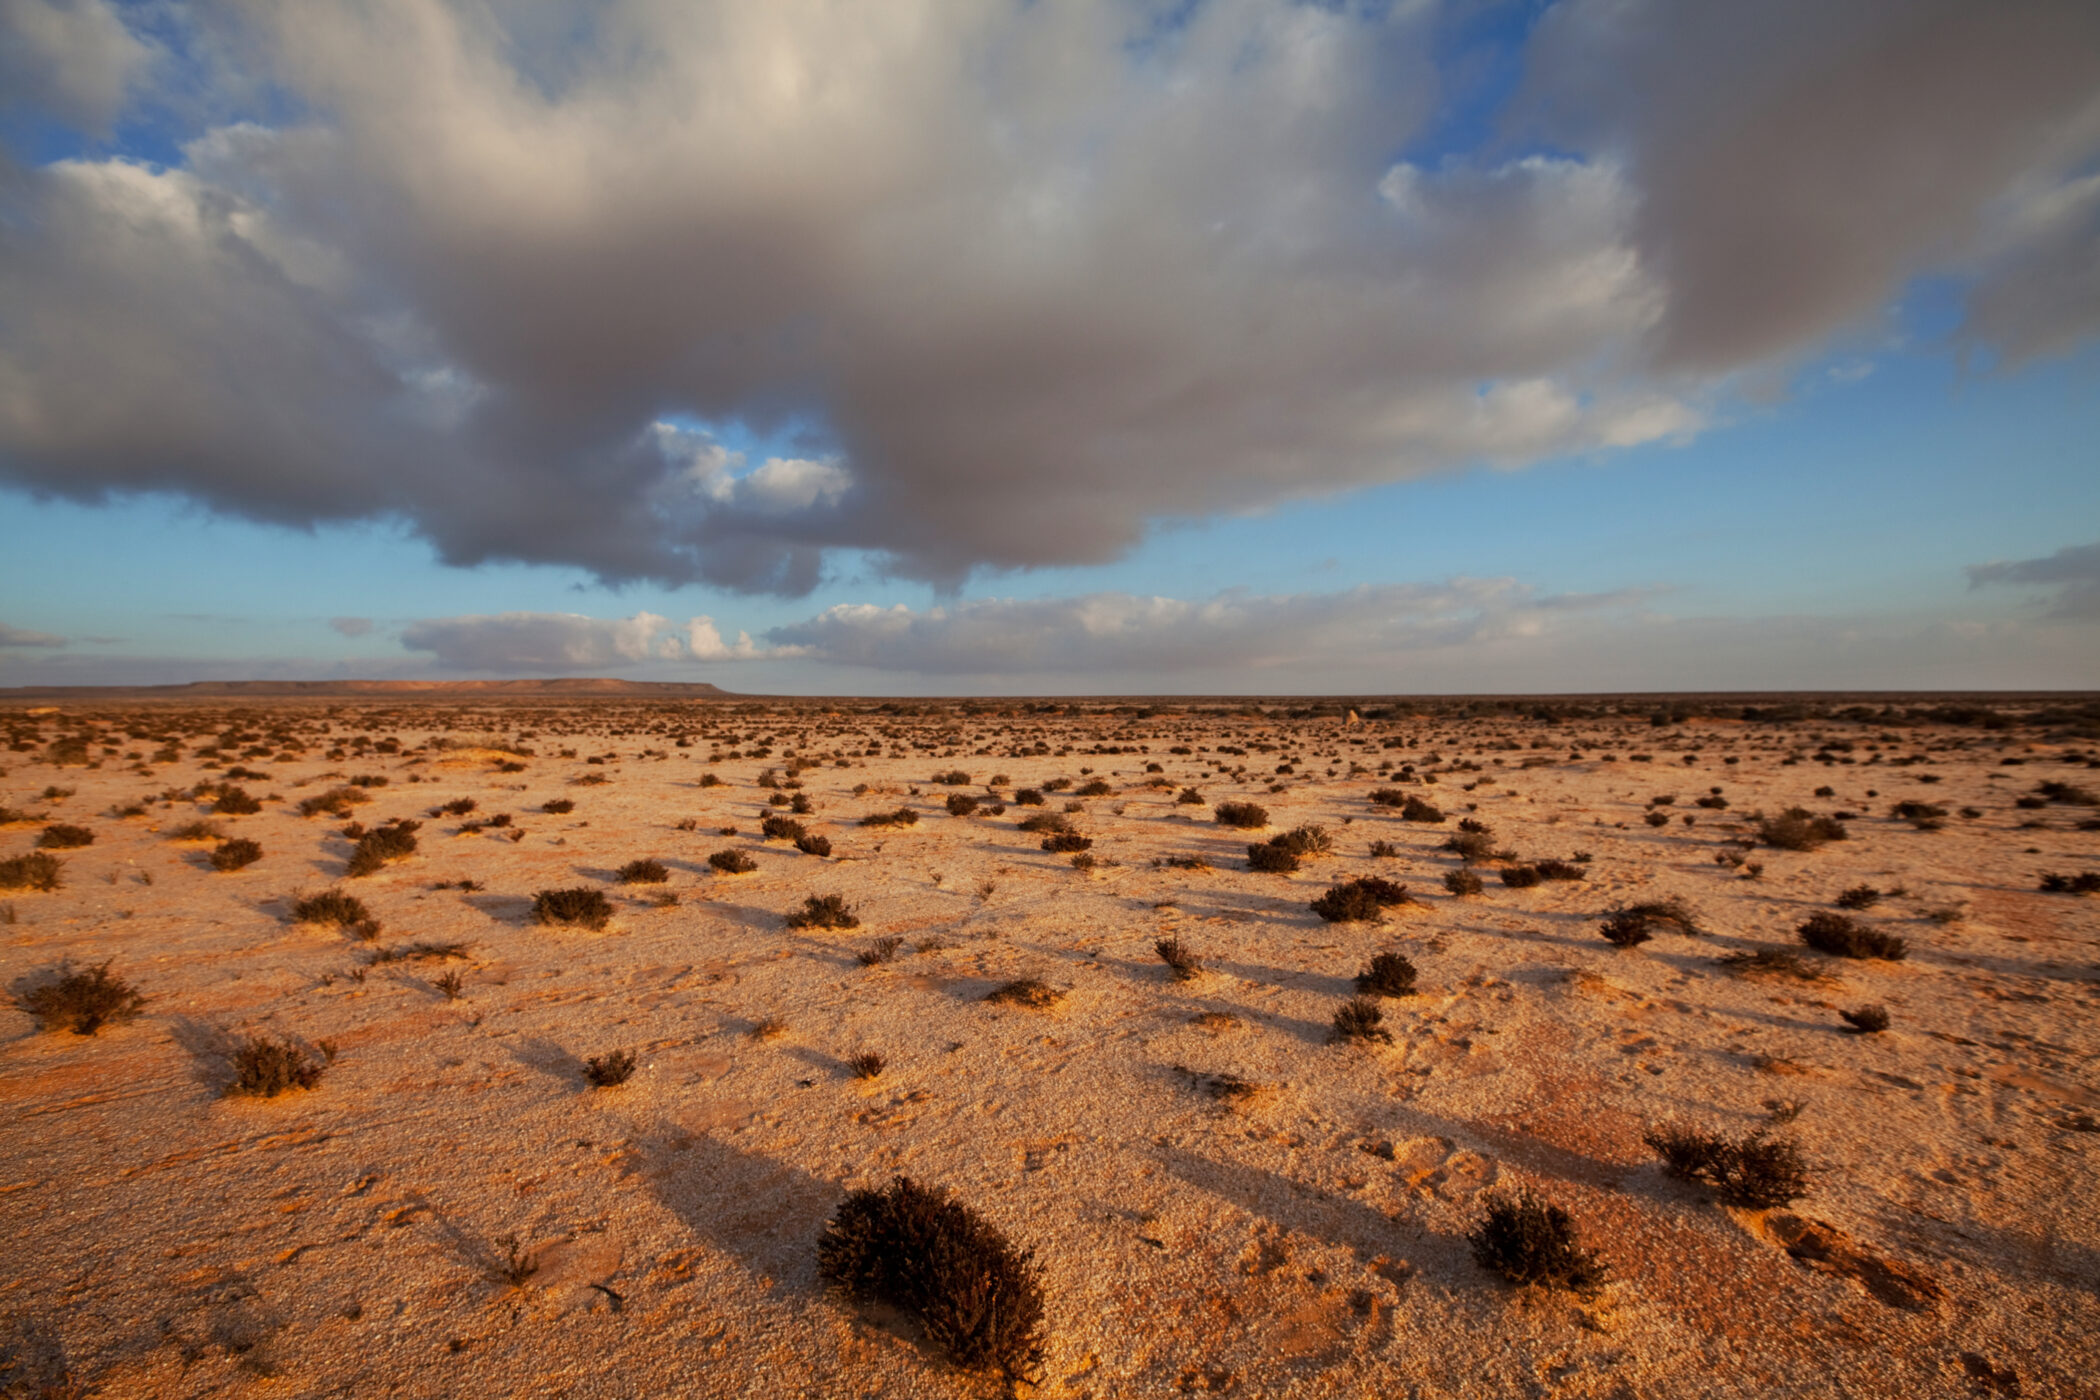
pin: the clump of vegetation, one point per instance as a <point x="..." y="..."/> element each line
<point x="1637" y="923"/>
<point x="1463" y="882"/>
<point x="882" y="950"/>
<point x="1797" y="829"/>
<point x="1358" y="900"/>
<point x="1755" y="1172"/>
<point x="1359" y="1019"/>
<point x="1045" y="823"/>
<point x="264" y="1067"/>
<point x="1030" y="992"/>
<point x="812" y="845"/>
<point x="868" y="1064"/>
<point x="233" y="802"/>
<point x="1842" y="936"/>
<point x="823" y="911"/>
<point x="1858" y="897"/>
<point x="903" y="816"/>
<point x="2084" y="882"/>
<point x="60" y="836"/>
<point x="775" y="828"/>
<point x="1416" y="810"/>
<point x="1925" y="816"/>
<point x="961" y="804"/>
<point x="1247" y="816"/>
<point x="1522" y="877"/>
<point x="561" y="806"/>
<point x="1527" y="1240"/>
<point x="1270" y="858"/>
<point x="580" y="906"/>
<point x="1383" y="850"/>
<point x="1181" y="862"/>
<point x="643" y="872"/>
<point x="614" y="1067"/>
<point x="1560" y="870"/>
<point x="1776" y="962"/>
<point x="234" y="854"/>
<point x="394" y="841"/>
<point x="955" y="777"/>
<point x="1188" y="797"/>
<point x="83" y="1002"/>
<point x="1867" y="1020"/>
<point x="198" y="831"/>
<point x="1066" y="842"/>
<point x="979" y="1299"/>
<point x="336" y="802"/>
<point x="333" y="908"/>
<point x="1387" y="975"/>
<point x="37" y="870"/>
<point x="1470" y="845"/>
<point x="732" y="863"/>
<point x="1179" y="958"/>
<point x="1028" y="797"/>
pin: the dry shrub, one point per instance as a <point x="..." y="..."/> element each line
<point x="1527" y="1240"/>
<point x="83" y="1002"/>
<point x="1030" y="992"/>
<point x="1245" y="815"/>
<point x="1799" y="830"/>
<point x="234" y="854"/>
<point x="604" y="1071"/>
<point x="36" y="871"/>
<point x="1756" y="1172"/>
<point x="1387" y="975"/>
<point x="1841" y="936"/>
<point x="823" y="911"/>
<point x="1359" y="1019"/>
<point x="732" y="863"/>
<point x="582" y="906"/>
<point x="60" y="836"/>
<point x="1358" y="900"/>
<point x="1180" y="958"/>
<point x="979" y="1299"/>
<point x="643" y="872"/>
<point x="264" y="1067"/>
<point x="332" y="907"/>
<point x="811" y="845"/>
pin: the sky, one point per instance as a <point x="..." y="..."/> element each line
<point x="1020" y="347"/>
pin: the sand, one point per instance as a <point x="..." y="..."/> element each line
<point x="1305" y="1235"/>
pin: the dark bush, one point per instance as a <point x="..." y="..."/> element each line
<point x="813" y="845"/>
<point x="1188" y="797"/>
<point x="604" y="1071"/>
<point x="1360" y="1019"/>
<point x="1271" y="859"/>
<point x="1306" y="842"/>
<point x="1624" y="930"/>
<point x="582" y="905"/>
<point x="1797" y="830"/>
<point x="232" y="855"/>
<point x="1756" y="1172"/>
<point x="644" y="872"/>
<point x="1858" y="897"/>
<point x="1245" y="815"/>
<point x="1383" y="850"/>
<point x="235" y="803"/>
<point x="903" y="816"/>
<point x="823" y="911"/>
<point x="1470" y="845"/>
<point x="1560" y="870"/>
<point x="457" y="807"/>
<point x="1867" y="1020"/>
<point x="1462" y="882"/>
<point x="83" y="1002"/>
<point x="1360" y="899"/>
<point x="953" y="778"/>
<point x="1387" y="975"/>
<point x="1416" y="810"/>
<point x="2084" y="882"/>
<point x="1044" y="823"/>
<point x="336" y="802"/>
<point x="1637" y="923"/>
<point x="1180" y="958"/>
<point x="264" y="1067"/>
<point x="1065" y="842"/>
<point x="732" y="862"/>
<point x="394" y="841"/>
<point x="1841" y="936"/>
<point x="61" y="837"/>
<point x="36" y="871"/>
<point x="1026" y="991"/>
<point x="1028" y="797"/>
<point x="1527" y="1240"/>
<point x="332" y="907"/>
<point x="1097" y="788"/>
<point x="961" y="804"/>
<point x="560" y="806"/>
<point x="782" y="829"/>
<point x="868" y="1064"/>
<point x="909" y="1247"/>
<point x="1521" y="877"/>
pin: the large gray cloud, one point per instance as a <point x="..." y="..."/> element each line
<point x="1029" y="276"/>
<point x="2072" y="572"/>
<point x="535" y="642"/>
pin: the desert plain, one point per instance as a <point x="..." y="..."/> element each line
<point x="1220" y="1194"/>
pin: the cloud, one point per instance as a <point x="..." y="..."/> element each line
<point x="1001" y="284"/>
<point x="351" y="626"/>
<point x="2074" y="572"/>
<point x="11" y="636"/>
<point x="535" y="642"/>
<point x="74" y="58"/>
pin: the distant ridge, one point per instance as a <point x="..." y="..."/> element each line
<point x="602" y="687"/>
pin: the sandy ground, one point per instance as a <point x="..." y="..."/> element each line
<point x="1306" y="1240"/>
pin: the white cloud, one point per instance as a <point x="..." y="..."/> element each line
<point x="74" y="57"/>
<point x="535" y="642"/>
<point x="12" y="636"/>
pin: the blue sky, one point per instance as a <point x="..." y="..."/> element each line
<point x="1422" y="373"/>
